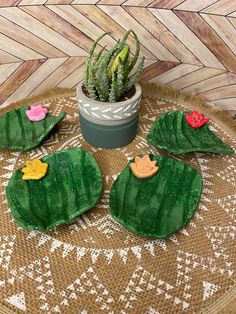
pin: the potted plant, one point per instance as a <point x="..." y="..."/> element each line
<point x="109" y="96"/>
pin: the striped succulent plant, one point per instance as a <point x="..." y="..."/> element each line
<point x="107" y="76"/>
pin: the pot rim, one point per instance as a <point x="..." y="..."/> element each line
<point x="138" y="92"/>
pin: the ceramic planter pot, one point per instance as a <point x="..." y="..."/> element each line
<point x="108" y="125"/>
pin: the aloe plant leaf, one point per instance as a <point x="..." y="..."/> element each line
<point x="122" y="55"/>
<point x="160" y="205"/>
<point x="171" y="132"/>
<point x="72" y="185"/>
<point x="102" y="78"/>
<point x="113" y="91"/>
<point x="98" y="56"/>
<point x="120" y="78"/>
<point x="97" y="61"/>
<point x="123" y="40"/>
<point x="137" y="50"/>
<point x="89" y="59"/>
<point x="135" y="76"/>
<point x="19" y="133"/>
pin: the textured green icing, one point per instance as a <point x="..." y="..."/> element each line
<point x="171" y="132"/>
<point x="72" y="185"/>
<point x="160" y="205"/>
<point x="19" y="133"/>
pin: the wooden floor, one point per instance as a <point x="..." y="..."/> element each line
<point x="189" y="45"/>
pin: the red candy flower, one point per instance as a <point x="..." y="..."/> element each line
<point x="196" y="119"/>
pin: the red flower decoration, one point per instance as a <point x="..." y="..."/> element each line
<point x="196" y="119"/>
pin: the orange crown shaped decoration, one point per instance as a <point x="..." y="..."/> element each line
<point x="144" y="167"/>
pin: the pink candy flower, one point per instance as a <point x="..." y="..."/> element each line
<point x="36" y="113"/>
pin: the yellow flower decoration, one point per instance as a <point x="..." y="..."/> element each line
<point x="35" y="169"/>
<point x="143" y="167"/>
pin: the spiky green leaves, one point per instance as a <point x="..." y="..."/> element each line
<point x="121" y="78"/>
<point x="113" y="91"/>
<point x="121" y="57"/>
<point x="106" y="77"/>
<point x="137" y="50"/>
<point x="88" y="68"/>
<point x="135" y="76"/>
<point x="103" y="81"/>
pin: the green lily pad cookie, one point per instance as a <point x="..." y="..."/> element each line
<point x="72" y="185"/>
<point x="171" y="132"/>
<point x="19" y="133"/>
<point x="159" y="205"/>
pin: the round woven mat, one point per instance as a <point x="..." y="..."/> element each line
<point x="93" y="265"/>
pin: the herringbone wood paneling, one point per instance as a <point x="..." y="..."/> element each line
<point x="189" y="45"/>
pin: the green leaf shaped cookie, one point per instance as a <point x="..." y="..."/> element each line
<point x="72" y="185"/>
<point x="19" y="133"/>
<point x="160" y="205"/>
<point x="171" y="132"/>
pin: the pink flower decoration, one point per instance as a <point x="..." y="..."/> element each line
<point x="36" y="113"/>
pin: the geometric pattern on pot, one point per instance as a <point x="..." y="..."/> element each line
<point x="160" y="205"/>
<point x="96" y="110"/>
<point x="72" y="185"/>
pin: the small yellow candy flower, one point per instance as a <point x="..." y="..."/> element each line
<point x="35" y="169"/>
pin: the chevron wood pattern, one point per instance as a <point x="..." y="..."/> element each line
<point x="189" y="45"/>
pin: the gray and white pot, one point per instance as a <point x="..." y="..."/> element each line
<point x="108" y="125"/>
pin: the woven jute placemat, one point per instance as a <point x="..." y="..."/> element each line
<point x="92" y="264"/>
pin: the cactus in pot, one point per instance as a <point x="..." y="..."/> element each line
<point x="107" y="76"/>
<point x="109" y="95"/>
